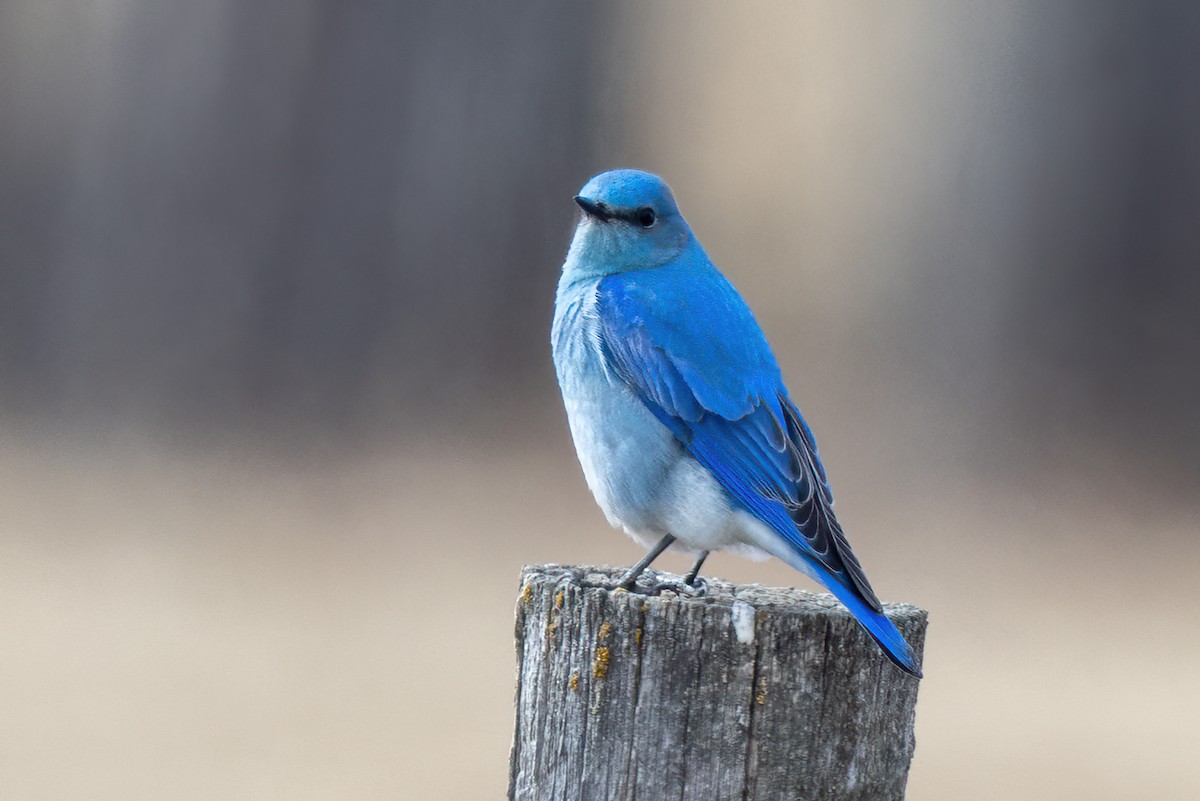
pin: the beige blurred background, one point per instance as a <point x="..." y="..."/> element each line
<point x="278" y="426"/>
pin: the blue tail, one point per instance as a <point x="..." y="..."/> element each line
<point x="882" y="630"/>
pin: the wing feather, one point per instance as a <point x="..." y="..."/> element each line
<point x="716" y="386"/>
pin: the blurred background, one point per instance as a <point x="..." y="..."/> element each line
<point x="278" y="424"/>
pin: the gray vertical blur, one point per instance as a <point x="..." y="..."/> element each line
<point x="1108" y="322"/>
<point x="303" y="212"/>
<point x="1062" y="292"/>
<point x="321" y="214"/>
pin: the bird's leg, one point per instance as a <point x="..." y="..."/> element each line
<point x="690" y="578"/>
<point x="631" y="576"/>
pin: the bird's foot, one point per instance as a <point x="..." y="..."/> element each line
<point x="647" y="582"/>
<point x="652" y="582"/>
<point x="560" y="573"/>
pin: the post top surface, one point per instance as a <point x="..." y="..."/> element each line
<point x="785" y="600"/>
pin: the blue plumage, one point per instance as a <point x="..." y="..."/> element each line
<point x="655" y="348"/>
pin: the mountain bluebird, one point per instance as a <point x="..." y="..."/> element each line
<point x="683" y="426"/>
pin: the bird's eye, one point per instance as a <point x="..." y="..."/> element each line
<point x="645" y="217"/>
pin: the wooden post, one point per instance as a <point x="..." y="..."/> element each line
<point x="749" y="693"/>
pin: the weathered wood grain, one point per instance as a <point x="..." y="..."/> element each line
<point x="748" y="693"/>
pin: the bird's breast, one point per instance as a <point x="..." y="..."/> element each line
<point x="625" y="452"/>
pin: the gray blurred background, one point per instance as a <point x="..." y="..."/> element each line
<point x="278" y="424"/>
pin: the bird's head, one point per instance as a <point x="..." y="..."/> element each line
<point x="630" y="221"/>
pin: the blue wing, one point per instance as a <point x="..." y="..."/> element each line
<point x="687" y="344"/>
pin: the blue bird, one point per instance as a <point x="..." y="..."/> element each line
<point x="682" y="423"/>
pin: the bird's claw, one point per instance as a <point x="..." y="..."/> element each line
<point x="653" y="583"/>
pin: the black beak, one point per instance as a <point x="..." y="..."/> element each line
<point x="593" y="209"/>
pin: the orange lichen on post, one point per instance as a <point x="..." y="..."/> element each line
<point x="600" y="666"/>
